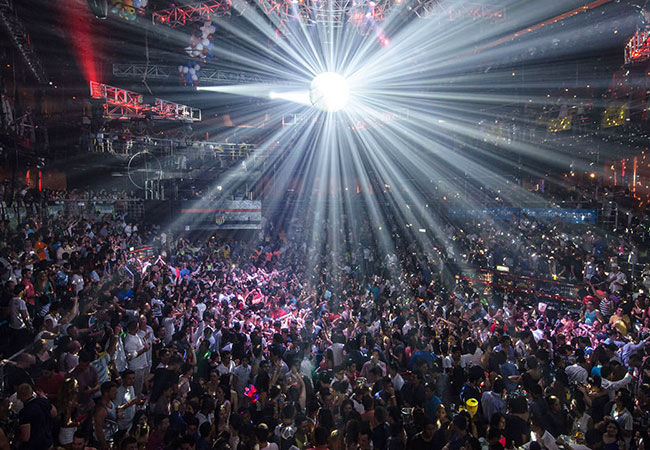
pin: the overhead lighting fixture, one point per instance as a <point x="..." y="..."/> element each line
<point x="329" y="92"/>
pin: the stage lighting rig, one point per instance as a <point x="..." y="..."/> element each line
<point x="329" y="92"/>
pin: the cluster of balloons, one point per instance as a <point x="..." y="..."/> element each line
<point x="190" y="73"/>
<point x="128" y="9"/>
<point x="201" y="42"/>
<point x="200" y="49"/>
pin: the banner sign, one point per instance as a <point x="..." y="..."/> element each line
<point x="104" y="208"/>
<point x="541" y="214"/>
<point x="226" y="215"/>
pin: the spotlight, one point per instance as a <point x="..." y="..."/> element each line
<point x="329" y="92"/>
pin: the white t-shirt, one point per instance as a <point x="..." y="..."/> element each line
<point x="222" y="368"/>
<point x="168" y="324"/>
<point x="243" y="374"/>
<point x="120" y="356"/>
<point x="77" y="282"/>
<point x="337" y="352"/>
<point x="16" y="319"/>
<point x="624" y="418"/>
<point x="156" y="307"/>
<point x="133" y="345"/>
<point x="202" y="418"/>
<point x="577" y="373"/>
<point x="615" y="278"/>
<point x="546" y="441"/>
<point x="148" y="340"/>
<point x="468" y="360"/>
<point x="124" y="396"/>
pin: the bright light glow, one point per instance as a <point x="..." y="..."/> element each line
<point x="415" y="127"/>
<point x="329" y="92"/>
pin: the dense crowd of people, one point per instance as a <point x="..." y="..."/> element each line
<point x="253" y="344"/>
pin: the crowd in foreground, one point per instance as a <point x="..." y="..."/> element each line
<point x="226" y="344"/>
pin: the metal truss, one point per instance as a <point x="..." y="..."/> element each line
<point x="426" y="9"/>
<point x="163" y="109"/>
<point x="123" y="104"/>
<point x="638" y="48"/>
<point x="18" y="35"/>
<point x="146" y="71"/>
<point x="198" y="12"/>
<point x="158" y="72"/>
<point x="333" y="13"/>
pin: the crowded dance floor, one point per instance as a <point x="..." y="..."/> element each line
<point x="324" y="225"/>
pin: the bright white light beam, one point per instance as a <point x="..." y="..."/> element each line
<point x="329" y="92"/>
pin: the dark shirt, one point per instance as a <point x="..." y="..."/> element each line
<point x="421" y="355"/>
<point x="468" y="392"/>
<point x="36" y="413"/>
<point x="162" y="378"/>
<point x="411" y="395"/>
<point x="516" y="429"/>
<point x="380" y="436"/>
<point x="418" y="443"/>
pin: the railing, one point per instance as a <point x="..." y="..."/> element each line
<point x="550" y="290"/>
<point x="3" y="374"/>
<point x="133" y="208"/>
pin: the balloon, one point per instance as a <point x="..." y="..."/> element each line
<point x="195" y="53"/>
<point x="195" y="78"/>
<point x="197" y="67"/>
<point x="186" y="69"/>
<point x="199" y="47"/>
<point x="205" y="42"/>
<point x="180" y="68"/>
<point x="192" y="70"/>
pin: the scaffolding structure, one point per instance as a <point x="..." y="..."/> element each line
<point x="123" y="104"/>
<point x="197" y="12"/>
<point x="638" y="47"/>
<point x="20" y="39"/>
<point x="160" y="72"/>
